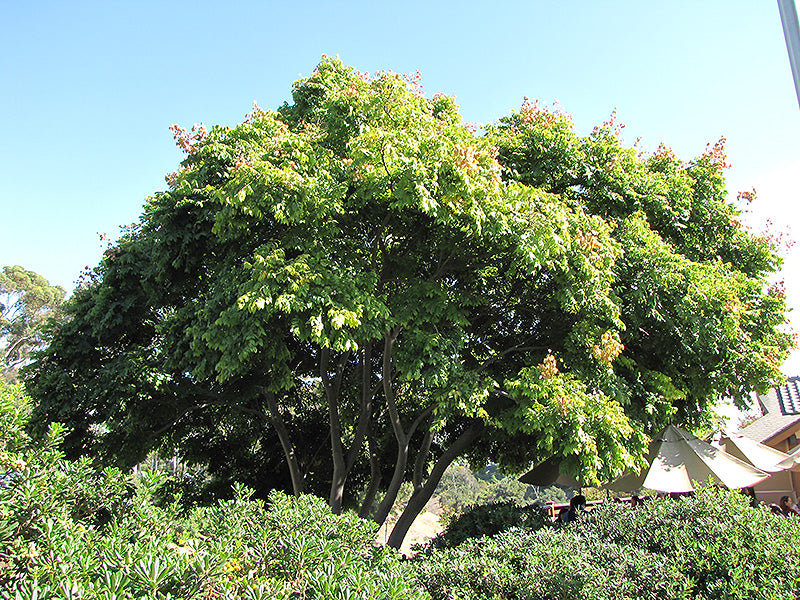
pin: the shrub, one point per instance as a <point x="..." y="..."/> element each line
<point x="724" y="546"/>
<point x="489" y="519"/>
<point x="710" y="546"/>
<point x="551" y="563"/>
<point x="69" y="530"/>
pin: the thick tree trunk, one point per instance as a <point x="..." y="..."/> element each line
<point x="374" y="476"/>
<point x="397" y="427"/>
<point x="338" y="479"/>
<point x="365" y="408"/>
<point x="332" y="389"/>
<point x="420" y="498"/>
<point x="422" y="458"/>
<point x="274" y="415"/>
<point x="403" y="438"/>
<point x="342" y="466"/>
<point x="394" y="485"/>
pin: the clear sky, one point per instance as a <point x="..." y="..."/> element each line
<point x="89" y="89"/>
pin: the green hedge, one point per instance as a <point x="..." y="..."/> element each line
<point x="713" y="545"/>
<point x="489" y="519"/>
<point x="68" y="530"/>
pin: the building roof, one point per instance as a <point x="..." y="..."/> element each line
<point x="780" y="408"/>
<point x="789" y="397"/>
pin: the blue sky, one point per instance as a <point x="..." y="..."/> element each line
<point x="89" y="89"/>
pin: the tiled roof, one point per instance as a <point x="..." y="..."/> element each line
<point x="789" y="397"/>
<point x="781" y="410"/>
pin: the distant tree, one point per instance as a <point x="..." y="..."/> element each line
<point x="507" y="489"/>
<point x="459" y="488"/>
<point x="552" y="493"/>
<point x="27" y="301"/>
<point x="490" y="472"/>
<point x="360" y="272"/>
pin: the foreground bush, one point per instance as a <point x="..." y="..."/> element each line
<point x="489" y="519"/>
<point x="724" y="547"/>
<point x="70" y="531"/>
<point x="710" y="546"/>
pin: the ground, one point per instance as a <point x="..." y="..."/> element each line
<point x="426" y="526"/>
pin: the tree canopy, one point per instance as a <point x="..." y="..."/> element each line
<point x="360" y="271"/>
<point x="27" y="301"/>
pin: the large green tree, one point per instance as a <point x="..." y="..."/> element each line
<point x="360" y="271"/>
<point x="27" y="301"/>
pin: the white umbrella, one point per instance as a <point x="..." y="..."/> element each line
<point x="759" y="455"/>
<point x="677" y="459"/>
<point x="792" y="461"/>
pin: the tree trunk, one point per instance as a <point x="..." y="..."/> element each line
<point x="394" y="485"/>
<point x="403" y="438"/>
<point x="11" y="349"/>
<point x="419" y="499"/>
<point x="342" y="466"/>
<point x="397" y="427"/>
<point x="365" y="408"/>
<point x="298" y="481"/>
<point x="422" y="458"/>
<point x="332" y="389"/>
<point x="374" y="476"/>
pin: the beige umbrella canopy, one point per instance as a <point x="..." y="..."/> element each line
<point x="792" y="461"/>
<point x="677" y="459"/>
<point x="548" y="473"/>
<point x="759" y="455"/>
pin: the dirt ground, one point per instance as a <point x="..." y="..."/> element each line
<point x="426" y="526"/>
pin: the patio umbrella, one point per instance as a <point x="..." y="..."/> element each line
<point x="548" y="473"/>
<point x="759" y="455"/>
<point x="676" y="459"/>
<point x="792" y="461"/>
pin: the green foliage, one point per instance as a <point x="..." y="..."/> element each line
<point x="689" y="270"/>
<point x="27" y="301"/>
<point x="15" y="409"/>
<point x="459" y="488"/>
<point x="547" y="564"/>
<point x="69" y="530"/>
<point x="359" y="268"/>
<point x="553" y="493"/>
<point x="713" y="545"/>
<point x="488" y="520"/>
<point x="721" y="544"/>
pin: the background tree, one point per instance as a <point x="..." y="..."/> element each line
<point x="360" y="270"/>
<point x="27" y="301"/>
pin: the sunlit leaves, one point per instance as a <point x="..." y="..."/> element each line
<point x="683" y="259"/>
<point x="566" y="290"/>
<point x="569" y="420"/>
<point x="27" y="301"/>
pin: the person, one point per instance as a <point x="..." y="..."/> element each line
<point x="751" y="494"/>
<point x="562" y="515"/>
<point x="577" y="506"/>
<point x="788" y="508"/>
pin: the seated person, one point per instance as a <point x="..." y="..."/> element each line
<point x="577" y="506"/>
<point x="788" y="508"/>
